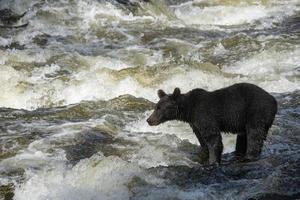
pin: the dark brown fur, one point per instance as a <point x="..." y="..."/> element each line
<point x="244" y="109"/>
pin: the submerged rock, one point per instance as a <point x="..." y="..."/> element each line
<point x="7" y="192"/>
<point x="8" y="19"/>
<point x="7" y="16"/>
<point x="131" y="2"/>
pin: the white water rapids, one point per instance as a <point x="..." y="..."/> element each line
<point x="88" y="52"/>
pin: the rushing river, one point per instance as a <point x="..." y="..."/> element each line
<point x="78" y="82"/>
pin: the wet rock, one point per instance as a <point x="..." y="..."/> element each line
<point x="241" y="42"/>
<point x="269" y="177"/>
<point x="130" y="103"/>
<point x="87" y="145"/>
<point x="8" y="19"/>
<point x="136" y="182"/>
<point x="7" y="192"/>
<point x="4" y="155"/>
<point x="275" y="196"/>
<point x="175" y="2"/>
<point x="131" y="2"/>
<point x="7" y="16"/>
<point x="13" y="45"/>
<point x="41" y="40"/>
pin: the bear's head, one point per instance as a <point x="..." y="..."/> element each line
<point x="166" y="109"/>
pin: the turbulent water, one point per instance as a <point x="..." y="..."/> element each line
<point x="78" y="82"/>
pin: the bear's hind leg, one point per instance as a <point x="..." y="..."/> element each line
<point x="241" y="145"/>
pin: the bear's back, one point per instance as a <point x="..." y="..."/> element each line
<point x="232" y="106"/>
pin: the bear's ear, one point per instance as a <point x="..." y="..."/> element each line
<point x="176" y="93"/>
<point x="161" y="93"/>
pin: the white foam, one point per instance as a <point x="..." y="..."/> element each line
<point x="5" y="41"/>
<point x="33" y="158"/>
<point x="95" y="178"/>
<point x="100" y="13"/>
<point x="211" y="81"/>
<point x="220" y="15"/>
<point x="268" y="62"/>
<point x="158" y="150"/>
<point x="33" y="88"/>
<point x="180" y="129"/>
<point x="9" y="79"/>
<point x="48" y="176"/>
<point x="99" y="62"/>
<point x="191" y="14"/>
<point x="98" y="84"/>
<point x="270" y="69"/>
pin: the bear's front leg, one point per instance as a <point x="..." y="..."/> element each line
<point x="204" y="154"/>
<point x="213" y="139"/>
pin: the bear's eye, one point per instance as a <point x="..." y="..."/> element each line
<point x="158" y="107"/>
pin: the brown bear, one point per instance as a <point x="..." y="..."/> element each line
<point x="244" y="109"/>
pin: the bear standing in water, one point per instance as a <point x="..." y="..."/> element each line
<point x="244" y="109"/>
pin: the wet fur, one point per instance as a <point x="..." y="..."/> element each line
<point x="243" y="109"/>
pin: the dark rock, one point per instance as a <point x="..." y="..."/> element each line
<point x="8" y="19"/>
<point x="41" y="40"/>
<point x="13" y="45"/>
<point x="87" y="145"/>
<point x="131" y="2"/>
<point x="7" y="192"/>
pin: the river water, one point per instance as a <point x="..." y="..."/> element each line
<point x="79" y="81"/>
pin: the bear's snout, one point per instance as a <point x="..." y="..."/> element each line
<point x="152" y="122"/>
<point x="149" y="121"/>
